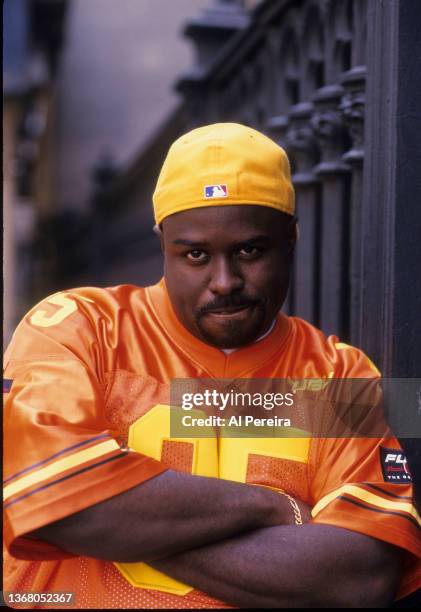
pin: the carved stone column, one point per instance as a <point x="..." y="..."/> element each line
<point x="302" y="149"/>
<point x="327" y="122"/>
<point x="353" y="109"/>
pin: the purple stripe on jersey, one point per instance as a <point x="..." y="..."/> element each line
<point x="62" y="452"/>
<point x="50" y="484"/>
<point x="7" y="385"/>
<point x="360" y="504"/>
<point x="376" y="488"/>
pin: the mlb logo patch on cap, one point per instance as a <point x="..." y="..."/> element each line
<point x="216" y="191"/>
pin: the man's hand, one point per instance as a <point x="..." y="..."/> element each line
<point x="292" y="566"/>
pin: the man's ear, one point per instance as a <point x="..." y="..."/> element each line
<point x="159" y="232"/>
<point x="293" y="235"/>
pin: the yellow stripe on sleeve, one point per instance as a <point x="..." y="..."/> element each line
<point x="341" y="345"/>
<point x="59" y="466"/>
<point x="369" y="498"/>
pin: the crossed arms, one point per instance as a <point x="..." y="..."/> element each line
<point x="234" y="541"/>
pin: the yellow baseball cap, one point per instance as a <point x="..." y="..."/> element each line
<point x="221" y="165"/>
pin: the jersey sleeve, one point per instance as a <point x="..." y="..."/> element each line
<point x="363" y="484"/>
<point x="59" y="455"/>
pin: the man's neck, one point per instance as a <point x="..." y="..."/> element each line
<point x="228" y="351"/>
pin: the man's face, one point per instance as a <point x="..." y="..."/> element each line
<point x="227" y="270"/>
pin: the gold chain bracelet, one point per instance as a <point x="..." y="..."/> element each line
<point x="297" y="512"/>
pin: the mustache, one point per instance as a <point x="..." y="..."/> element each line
<point x="241" y="301"/>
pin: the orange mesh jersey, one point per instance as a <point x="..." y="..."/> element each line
<point x="86" y="418"/>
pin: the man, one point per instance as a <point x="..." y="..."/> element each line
<point x="100" y="501"/>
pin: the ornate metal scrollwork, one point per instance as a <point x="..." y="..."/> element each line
<point x="276" y="128"/>
<point x="301" y="143"/>
<point x="329" y="128"/>
<point x="353" y="109"/>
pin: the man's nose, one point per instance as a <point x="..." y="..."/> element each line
<point x="225" y="277"/>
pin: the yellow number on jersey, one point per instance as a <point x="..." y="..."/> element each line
<point x="67" y="307"/>
<point x="147" y="436"/>
<point x="234" y="453"/>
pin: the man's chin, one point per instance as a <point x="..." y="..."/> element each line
<point x="230" y="336"/>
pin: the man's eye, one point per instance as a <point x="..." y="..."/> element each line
<point x="196" y="255"/>
<point x="249" y="251"/>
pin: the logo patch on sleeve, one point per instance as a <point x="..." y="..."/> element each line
<point x="394" y="466"/>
